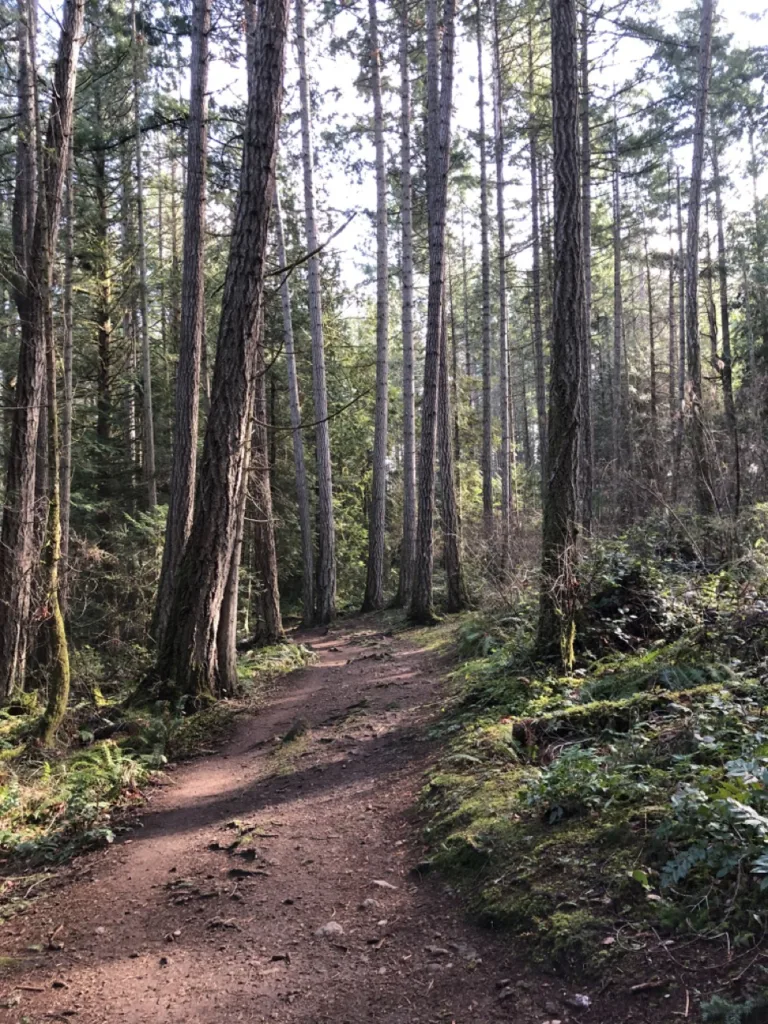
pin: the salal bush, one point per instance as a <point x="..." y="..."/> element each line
<point x="725" y="831"/>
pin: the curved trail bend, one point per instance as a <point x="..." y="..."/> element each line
<point x="165" y="928"/>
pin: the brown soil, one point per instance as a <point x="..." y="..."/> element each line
<point x="170" y="926"/>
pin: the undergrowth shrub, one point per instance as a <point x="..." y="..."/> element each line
<point x="54" y="807"/>
<point x="58" y="808"/>
<point x="635" y="789"/>
<point x="583" y="780"/>
<point x="724" y="830"/>
<point x="720" y="1010"/>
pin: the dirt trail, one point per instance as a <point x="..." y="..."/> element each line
<point x="160" y="927"/>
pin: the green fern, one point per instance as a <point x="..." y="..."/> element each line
<point x="722" y="1011"/>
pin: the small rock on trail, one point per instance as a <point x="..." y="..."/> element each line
<point x="332" y="930"/>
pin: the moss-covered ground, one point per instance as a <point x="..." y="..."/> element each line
<point x="624" y="806"/>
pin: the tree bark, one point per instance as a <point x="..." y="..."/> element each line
<point x="439" y="98"/>
<point x="374" y="585"/>
<point x="672" y="328"/>
<point x="465" y="305"/>
<point x="455" y="589"/>
<point x="16" y="569"/>
<point x="538" y="332"/>
<point x="67" y="351"/>
<point x="17" y="549"/>
<point x="617" y="425"/>
<point x="678" y="439"/>
<point x="760" y="243"/>
<point x="751" y="357"/>
<point x="103" y="297"/>
<point x="703" y="483"/>
<point x="506" y="452"/>
<point x="58" y="670"/>
<point x="652" y="367"/>
<point x="148" y="434"/>
<point x="523" y="406"/>
<point x="709" y="297"/>
<point x="559" y="532"/>
<point x="164" y="296"/>
<point x="294" y="402"/>
<point x="454" y="394"/>
<point x="408" y="546"/>
<point x="726" y="372"/>
<point x="176" y="277"/>
<point x="25" y="191"/>
<point x="271" y="631"/>
<point x="127" y="242"/>
<point x="325" y="610"/>
<point x="226" y="634"/>
<point x="587" y="428"/>
<point x="187" y="404"/>
<point x="485" y="272"/>
<point x="188" y="657"/>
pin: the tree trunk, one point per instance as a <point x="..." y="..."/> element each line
<point x="176" y="277"/>
<point x="58" y="671"/>
<point x="25" y="192"/>
<point x="127" y="242"/>
<point x="261" y="496"/>
<point x="439" y="98"/>
<point x="523" y="406"/>
<point x="19" y="539"/>
<point x="709" y="298"/>
<point x="408" y="547"/>
<point x="302" y="488"/>
<point x="705" y="495"/>
<point x="487" y="450"/>
<point x="587" y="428"/>
<point x="678" y="440"/>
<point x="559" y="532"/>
<point x="325" y="610"/>
<point x="67" y="350"/>
<point x="751" y="359"/>
<point x="548" y="273"/>
<point x="188" y="657"/>
<point x="226" y="636"/>
<point x="374" y="585"/>
<point x="455" y="590"/>
<point x="506" y="452"/>
<point x="760" y="244"/>
<point x="652" y="369"/>
<point x="617" y="426"/>
<point x="148" y="436"/>
<point x="672" y="327"/>
<point x="185" y="428"/>
<point x="103" y="309"/>
<point x="454" y="395"/>
<point x="17" y="551"/>
<point x="726" y="372"/>
<point x="516" y="504"/>
<point x="162" y="295"/>
<point x="465" y="305"/>
<point x="538" y="331"/>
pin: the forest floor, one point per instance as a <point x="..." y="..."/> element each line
<point x="277" y="880"/>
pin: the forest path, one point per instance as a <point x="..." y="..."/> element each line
<point x="160" y="927"/>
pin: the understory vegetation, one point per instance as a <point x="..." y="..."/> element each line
<point x="622" y="808"/>
<point x="56" y="803"/>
